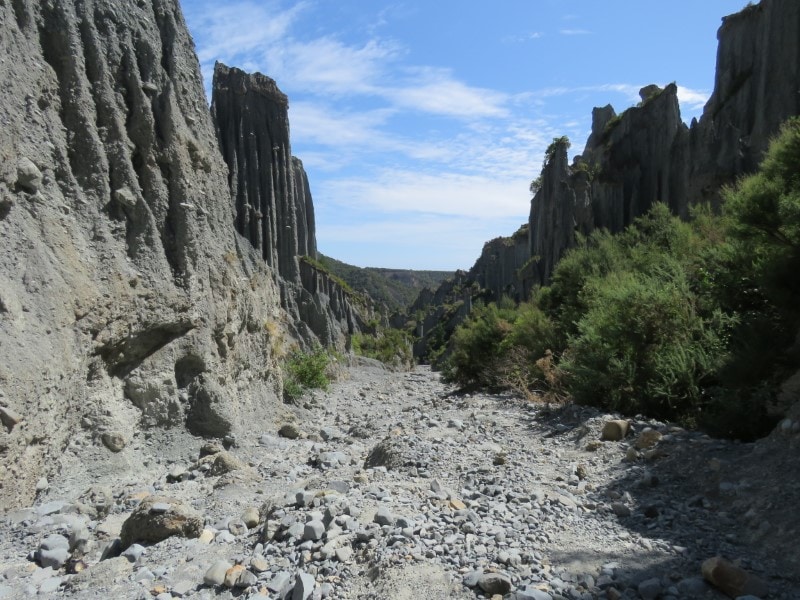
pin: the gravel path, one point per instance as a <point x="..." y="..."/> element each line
<point x="390" y="485"/>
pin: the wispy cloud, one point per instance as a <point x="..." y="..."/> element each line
<point x="692" y="100"/>
<point x="574" y="32"/>
<point x="522" y="38"/>
<point x="394" y="191"/>
<point x="436" y="91"/>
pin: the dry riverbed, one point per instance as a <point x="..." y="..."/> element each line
<point x="392" y="485"/>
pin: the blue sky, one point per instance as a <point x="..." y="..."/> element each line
<point x="421" y="124"/>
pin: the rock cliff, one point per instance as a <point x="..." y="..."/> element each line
<point x="127" y="297"/>
<point x="272" y="200"/>
<point x="647" y="154"/>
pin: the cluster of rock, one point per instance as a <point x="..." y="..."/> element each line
<point x="444" y="497"/>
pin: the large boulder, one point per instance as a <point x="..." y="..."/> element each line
<point x="157" y="518"/>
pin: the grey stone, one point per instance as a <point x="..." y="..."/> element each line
<point x="55" y="558"/>
<point x="133" y="552"/>
<point x="530" y="593"/>
<point x="29" y="177"/>
<point x="303" y="587"/>
<point x="50" y="585"/>
<point x="494" y="583"/>
<point x="620" y="509"/>
<point x="693" y="586"/>
<point x="114" y="441"/>
<point x="215" y="575"/>
<point x="246" y="579"/>
<point x="182" y="588"/>
<point x="650" y="589"/>
<point x="471" y="579"/>
<point x="289" y="431"/>
<point x="314" y="530"/>
<point x="384" y="516"/>
<point x="280" y="583"/>
<point x="150" y="522"/>
<point x="344" y="554"/>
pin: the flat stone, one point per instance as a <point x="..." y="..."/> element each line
<point x="530" y="593"/>
<point x="344" y="554"/>
<point x="50" y="585"/>
<point x="182" y="588"/>
<point x="259" y="565"/>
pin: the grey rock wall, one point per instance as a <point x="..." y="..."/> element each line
<point x="274" y="208"/>
<point x="127" y="299"/>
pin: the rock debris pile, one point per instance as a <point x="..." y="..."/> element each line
<point x="392" y="486"/>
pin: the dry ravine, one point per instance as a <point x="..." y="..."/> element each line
<point x="392" y="485"/>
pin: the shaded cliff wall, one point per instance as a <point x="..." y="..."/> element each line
<point x="500" y="268"/>
<point x="127" y="299"/>
<point x="274" y="208"/>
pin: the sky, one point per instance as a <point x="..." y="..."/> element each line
<point x="422" y="123"/>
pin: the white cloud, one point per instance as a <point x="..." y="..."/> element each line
<point x="692" y="100"/>
<point x="436" y="91"/>
<point x="326" y="65"/>
<point x="408" y="191"/>
<point x="574" y="32"/>
<point x="522" y="38"/>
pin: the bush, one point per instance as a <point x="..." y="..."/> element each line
<point x="306" y="370"/>
<point x="390" y="346"/>
<point x="498" y="347"/>
<point x="641" y="347"/>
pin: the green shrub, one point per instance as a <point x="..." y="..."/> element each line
<point x="641" y="347"/>
<point x="499" y="345"/>
<point x="390" y="346"/>
<point x="306" y="370"/>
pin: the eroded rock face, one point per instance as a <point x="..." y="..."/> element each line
<point x="274" y="208"/>
<point x="123" y="281"/>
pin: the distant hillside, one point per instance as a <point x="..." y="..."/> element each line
<point x="397" y="288"/>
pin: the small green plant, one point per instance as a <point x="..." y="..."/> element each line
<point x="554" y="145"/>
<point x="306" y="370"/>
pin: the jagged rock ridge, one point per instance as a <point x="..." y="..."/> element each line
<point x="272" y="199"/>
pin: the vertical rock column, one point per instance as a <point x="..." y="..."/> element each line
<point x="270" y="189"/>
